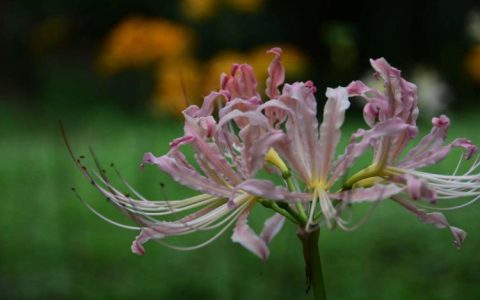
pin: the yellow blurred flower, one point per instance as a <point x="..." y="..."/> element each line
<point x="203" y="9"/>
<point x="246" y="5"/>
<point x="138" y="41"/>
<point x="472" y="63"/>
<point x="199" y="9"/>
<point x="177" y="84"/>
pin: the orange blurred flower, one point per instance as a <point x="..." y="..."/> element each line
<point x="138" y="41"/>
<point x="177" y="85"/>
<point x="472" y="63"/>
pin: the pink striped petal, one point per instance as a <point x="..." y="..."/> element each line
<point x="268" y="190"/>
<point x="419" y="190"/>
<point x="245" y="236"/>
<point x="241" y="82"/>
<point x="276" y="74"/>
<point x="302" y="126"/>
<point x="144" y="236"/>
<point x="368" y="137"/>
<point x="186" y="176"/>
<point x="207" y="107"/>
<point x="374" y="193"/>
<point x="256" y="146"/>
<point x="392" y="79"/>
<point x="437" y="154"/>
<point x="271" y="227"/>
<point x="333" y="117"/>
<point x="436" y="219"/>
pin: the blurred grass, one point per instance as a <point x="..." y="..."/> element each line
<point x="53" y="247"/>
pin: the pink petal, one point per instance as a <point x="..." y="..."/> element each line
<point x="302" y="126"/>
<point x="418" y="189"/>
<point x="374" y="193"/>
<point x="144" y="236"/>
<point x="276" y="74"/>
<point x="435" y="138"/>
<point x="271" y="227"/>
<point x="208" y="105"/>
<point x="186" y="175"/>
<point x="268" y="190"/>
<point x="210" y="154"/>
<point x="392" y="79"/>
<point x="333" y="117"/>
<point x="436" y="154"/>
<point x="369" y="137"/>
<point x="244" y="235"/>
<point x="436" y="219"/>
<point x="256" y="147"/>
<point x="241" y="82"/>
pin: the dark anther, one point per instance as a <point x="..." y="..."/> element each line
<point x="82" y="156"/>
<point x="112" y="164"/>
<point x="73" y="189"/>
<point x="162" y="184"/>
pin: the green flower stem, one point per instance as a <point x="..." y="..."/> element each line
<point x="313" y="266"/>
<point x="287" y="176"/>
<point x="274" y="206"/>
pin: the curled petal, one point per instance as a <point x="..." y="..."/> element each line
<point x="276" y="74"/>
<point x="241" y="83"/>
<point x="268" y="190"/>
<point x="434" y="139"/>
<point x="256" y="147"/>
<point x="302" y="126"/>
<point x="470" y="148"/>
<point x="207" y="106"/>
<point x="436" y="154"/>
<point x="374" y="193"/>
<point x="368" y="137"/>
<point x="186" y="176"/>
<point x="240" y="104"/>
<point x="418" y="189"/>
<point x="251" y="118"/>
<point x="244" y="235"/>
<point x="391" y="77"/>
<point x="209" y="154"/>
<point x="271" y="227"/>
<point x="436" y="219"/>
<point x="144" y="236"/>
<point x="370" y="113"/>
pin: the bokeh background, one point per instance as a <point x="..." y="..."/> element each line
<point x="117" y="73"/>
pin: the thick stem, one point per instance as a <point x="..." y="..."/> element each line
<point x="313" y="266"/>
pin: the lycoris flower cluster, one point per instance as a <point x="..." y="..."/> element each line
<point x="236" y="133"/>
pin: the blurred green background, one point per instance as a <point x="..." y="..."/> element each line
<point x="116" y="73"/>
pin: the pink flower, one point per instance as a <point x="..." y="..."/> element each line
<point x="228" y="153"/>
<point x="282" y="136"/>
<point x="399" y="102"/>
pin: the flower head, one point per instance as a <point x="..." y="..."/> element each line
<point x="235" y="133"/>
